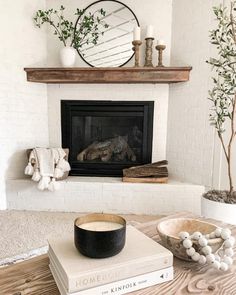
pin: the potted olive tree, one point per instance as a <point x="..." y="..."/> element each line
<point x="73" y="35"/>
<point x="220" y="204"/>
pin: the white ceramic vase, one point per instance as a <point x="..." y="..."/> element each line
<point x="219" y="211"/>
<point x="67" y="56"/>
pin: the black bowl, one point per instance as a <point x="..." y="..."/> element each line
<point x="99" y="243"/>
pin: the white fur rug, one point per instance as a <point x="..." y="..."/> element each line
<point x="24" y="234"/>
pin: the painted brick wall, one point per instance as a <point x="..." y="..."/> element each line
<point x="23" y="105"/>
<point x="193" y="147"/>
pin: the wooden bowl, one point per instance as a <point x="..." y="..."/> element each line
<point x="99" y="235"/>
<point x="169" y="230"/>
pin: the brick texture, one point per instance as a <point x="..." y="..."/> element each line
<point x="23" y="110"/>
<point x="192" y="145"/>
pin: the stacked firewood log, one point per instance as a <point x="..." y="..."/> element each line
<point x="156" y="172"/>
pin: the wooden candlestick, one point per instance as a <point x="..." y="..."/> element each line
<point x="148" y="52"/>
<point x="136" y="44"/>
<point x="160" y="49"/>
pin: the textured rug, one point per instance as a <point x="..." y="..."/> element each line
<point x="24" y="234"/>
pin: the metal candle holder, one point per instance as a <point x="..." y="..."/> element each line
<point x="136" y="50"/>
<point x="148" y="52"/>
<point x="160" y="49"/>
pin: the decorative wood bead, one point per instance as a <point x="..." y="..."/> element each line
<point x="218" y="232"/>
<point x="202" y="260"/>
<point x="196" y="257"/>
<point x="196" y="236"/>
<point x="225" y="233"/>
<point x="207" y="250"/>
<point x="216" y="264"/>
<point x="203" y="242"/>
<point x="210" y="258"/>
<point x="228" y="260"/>
<point x="190" y="251"/>
<point x="222" y="260"/>
<point x="183" y="235"/>
<point x="223" y="266"/>
<point x="187" y="243"/>
<point x="228" y="243"/>
<point x="229" y="252"/>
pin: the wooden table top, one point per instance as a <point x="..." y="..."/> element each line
<point x="33" y="277"/>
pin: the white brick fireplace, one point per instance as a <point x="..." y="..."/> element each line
<point x="89" y="194"/>
<point x="102" y="194"/>
<point x="33" y="111"/>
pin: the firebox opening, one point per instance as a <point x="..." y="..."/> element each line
<point x="105" y="137"/>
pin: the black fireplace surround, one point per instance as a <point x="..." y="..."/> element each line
<point x="104" y="137"/>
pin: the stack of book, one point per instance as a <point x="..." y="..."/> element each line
<point x="142" y="263"/>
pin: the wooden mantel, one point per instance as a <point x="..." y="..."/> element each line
<point x="109" y="75"/>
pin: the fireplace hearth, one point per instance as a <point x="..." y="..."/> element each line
<point x="104" y="137"/>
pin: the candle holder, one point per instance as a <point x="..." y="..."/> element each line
<point x="160" y="49"/>
<point x="99" y="235"/>
<point x="136" y="44"/>
<point x="148" y="52"/>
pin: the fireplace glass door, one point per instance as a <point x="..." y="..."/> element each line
<point x="105" y="137"/>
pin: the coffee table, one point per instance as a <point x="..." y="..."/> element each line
<point x="33" y="277"/>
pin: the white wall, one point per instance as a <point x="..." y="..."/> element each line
<point x="161" y="20"/>
<point x="193" y="147"/>
<point x="23" y="105"/>
<point x="155" y="12"/>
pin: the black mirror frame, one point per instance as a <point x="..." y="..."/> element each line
<point x="94" y="4"/>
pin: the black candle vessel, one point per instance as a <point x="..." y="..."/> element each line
<point x="99" y="235"/>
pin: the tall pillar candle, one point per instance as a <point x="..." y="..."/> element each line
<point x="150" y="32"/>
<point x="137" y="33"/>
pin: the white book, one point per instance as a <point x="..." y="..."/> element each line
<point x="123" y="286"/>
<point x="140" y="255"/>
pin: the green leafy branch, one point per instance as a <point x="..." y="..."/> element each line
<point x="86" y="30"/>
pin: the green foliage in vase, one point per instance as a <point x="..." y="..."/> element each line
<point x="86" y="31"/>
<point x="223" y="92"/>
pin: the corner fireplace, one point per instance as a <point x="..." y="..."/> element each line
<point x="104" y="137"/>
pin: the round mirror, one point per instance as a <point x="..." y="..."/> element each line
<point x="114" y="44"/>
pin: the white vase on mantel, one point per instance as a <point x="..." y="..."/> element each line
<point x="67" y="56"/>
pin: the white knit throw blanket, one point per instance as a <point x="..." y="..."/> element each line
<point x="46" y="165"/>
